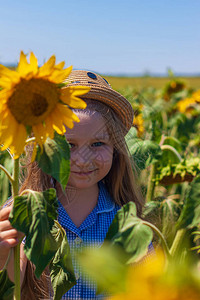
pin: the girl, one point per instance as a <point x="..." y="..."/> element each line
<point x="100" y="182"/>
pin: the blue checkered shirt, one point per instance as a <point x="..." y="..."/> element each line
<point x="92" y="233"/>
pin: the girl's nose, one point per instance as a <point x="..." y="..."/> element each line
<point x="82" y="156"/>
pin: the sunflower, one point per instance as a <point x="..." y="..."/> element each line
<point x="33" y="101"/>
<point x="152" y="279"/>
<point x="138" y="121"/>
<point x="185" y="104"/>
<point x="196" y="96"/>
<point x="188" y="105"/>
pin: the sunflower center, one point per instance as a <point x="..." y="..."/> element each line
<point x="33" y="100"/>
<point x="39" y="105"/>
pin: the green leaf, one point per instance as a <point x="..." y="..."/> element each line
<point x="170" y="211"/>
<point x="132" y="134"/>
<point x="190" y="215"/>
<point x="172" y="141"/>
<point x="5" y="186"/>
<point x="169" y="157"/>
<point x="151" y="212"/>
<point x="54" y="159"/>
<point x="34" y="215"/>
<point x="144" y="153"/>
<point x="6" y="286"/>
<point x="129" y="233"/>
<point x="61" y="269"/>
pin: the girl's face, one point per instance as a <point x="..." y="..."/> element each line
<point x="91" y="151"/>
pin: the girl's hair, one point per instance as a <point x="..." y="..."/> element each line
<point x="120" y="182"/>
<point x="33" y="288"/>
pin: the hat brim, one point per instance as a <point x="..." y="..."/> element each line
<point x="113" y="99"/>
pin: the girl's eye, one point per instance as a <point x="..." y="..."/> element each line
<point x="71" y="145"/>
<point x="97" y="144"/>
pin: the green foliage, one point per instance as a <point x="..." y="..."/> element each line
<point x="61" y="270"/>
<point x="46" y="243"/>
<point x="128" y="232"/>
<point x="173" y="142"/>
<point x="164" y="213"/>
<point x="54" y="159"/>
<point x="6" y="286"/>
<point x="34" y="215"/>
<point x="186" y="127"/>
<point x="186" y="170"/>
<point x="168" y="142"/>
<point x="144" y="152"/>
<point x="190" y="216"/>
<point x="5" y="188"/>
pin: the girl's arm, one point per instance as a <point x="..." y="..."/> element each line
<point x="9" y="238"/>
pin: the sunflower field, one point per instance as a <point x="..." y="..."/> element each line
<point x="164" y="143"/>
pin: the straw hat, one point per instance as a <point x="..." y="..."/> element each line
<point x="102" y="91"/>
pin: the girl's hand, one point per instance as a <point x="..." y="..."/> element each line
<point x="9" y="237"/>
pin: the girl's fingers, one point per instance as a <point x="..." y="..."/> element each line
<point x="4" y="213"/>
<point x="6" y="245"/>
<point x="5" y="225"/>
<point x="8" y="234"/>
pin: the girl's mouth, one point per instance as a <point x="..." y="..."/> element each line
<point x="81" y="173"/>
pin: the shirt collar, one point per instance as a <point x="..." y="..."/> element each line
<point x="105" y="204"/>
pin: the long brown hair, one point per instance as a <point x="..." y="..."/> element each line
<point x="32" y="287"/>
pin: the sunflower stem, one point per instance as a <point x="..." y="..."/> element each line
<point x="151" y="183"/>
<point x="172" y="149"/>
<point x="178" y="242"/>
<point x="162" y="238"/>
<point x="7" y="173"/>
<point x="15" y="190"/>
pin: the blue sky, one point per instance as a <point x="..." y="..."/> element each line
<point x="110" y="37"/>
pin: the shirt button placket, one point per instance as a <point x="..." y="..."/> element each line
<point x="78" y="241"/>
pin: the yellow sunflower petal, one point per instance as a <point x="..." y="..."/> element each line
<point x="68" y="122"/>
<point x="67" y="115"/>
<point x="49" y="127"/>
<point x="59" y="75"/>
<point x="13" y="75"/>
<point x="57" y="123"/>
<point x="8" y="129"/>
<point x="23" y="67"/>
<point x="39" y="134"/>
<point x="70" y="96"/>
<point x="78" y="90"/>
<point x="34" y="152"/>
<point x="67" y="112"/>
<point x="18" y="146"/>
<point x="5" y="83"/>
<point x="42" y="130"/>
<point x="48" y="67"/>
<point x="3" y="114"/>
<point x="196" y="96"/>
<point x="33" y="63"/>
<point x="4" y="95"/>
<point x="60" y="66"/>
